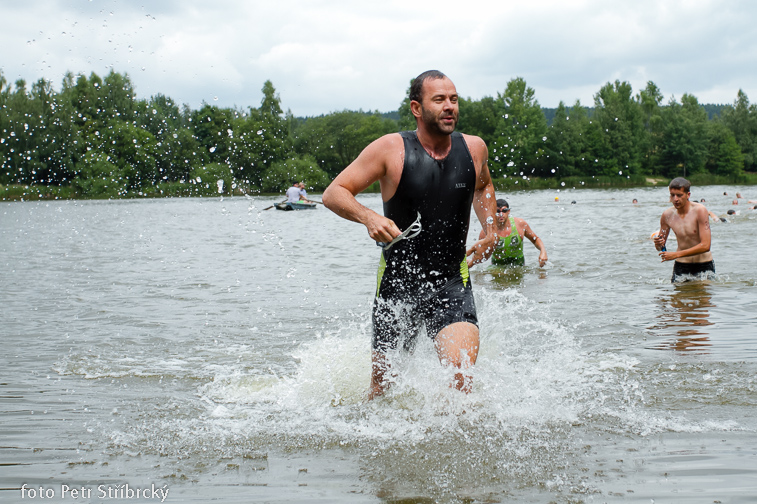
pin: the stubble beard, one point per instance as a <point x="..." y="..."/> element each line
<point x="435" y="124"/>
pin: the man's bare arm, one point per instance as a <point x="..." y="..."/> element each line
<point x="662" y="237"/>
<point x="538" y="243"/>
<point x="370" y="166"/>
<point x="484" y="204"/>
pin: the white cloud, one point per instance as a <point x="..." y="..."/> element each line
<point x="326" y="55"/>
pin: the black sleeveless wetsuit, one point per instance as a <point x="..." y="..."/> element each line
<point x="425" y="278"/>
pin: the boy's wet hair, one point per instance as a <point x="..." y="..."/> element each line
<point x="680" y="183"/>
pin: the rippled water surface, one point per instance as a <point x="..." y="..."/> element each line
<point x="221" y="351"/>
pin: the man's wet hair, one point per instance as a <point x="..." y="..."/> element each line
<point x="502" y="203"/>
<point x="680" y="183"/>
<point x="416" y="88"/>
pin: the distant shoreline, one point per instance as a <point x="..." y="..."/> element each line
<point x="17" y="192"/>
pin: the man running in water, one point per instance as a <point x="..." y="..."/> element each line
<point x="690" y="222"/>
<point x="433" y="174"/>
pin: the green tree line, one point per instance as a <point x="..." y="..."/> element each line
<point x="95" y="138"/>
<point x="626" y="134"/>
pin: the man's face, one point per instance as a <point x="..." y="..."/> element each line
<point x="502" y="214"/>
<point x="678" y="197"/>
<point x="439" y="108"/>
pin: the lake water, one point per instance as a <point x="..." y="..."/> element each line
<point x="217" y="351"/>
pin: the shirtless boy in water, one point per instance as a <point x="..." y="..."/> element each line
<point x="690" y="222"/>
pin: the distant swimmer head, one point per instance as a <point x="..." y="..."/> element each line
<point x="573" y="202"/>
<point x="557" y="198"/>
<point x="731" y="212"/>
<point x="503" y="207"/>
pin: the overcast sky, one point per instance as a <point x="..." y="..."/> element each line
<point x="327" y="55"/>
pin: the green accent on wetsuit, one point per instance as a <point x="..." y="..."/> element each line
<point x="509" y="249"/>
<point x="464" y="271"/>
<point x="380" y="274"/>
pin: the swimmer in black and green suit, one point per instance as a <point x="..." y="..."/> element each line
<point x="511" y="231"/>
<point x="440" y="174"/>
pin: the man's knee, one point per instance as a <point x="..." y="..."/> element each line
<point x="457" y="344"/>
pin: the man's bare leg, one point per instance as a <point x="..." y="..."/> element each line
<point x="457" y="345"/>
<point x="379" y="367"/>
